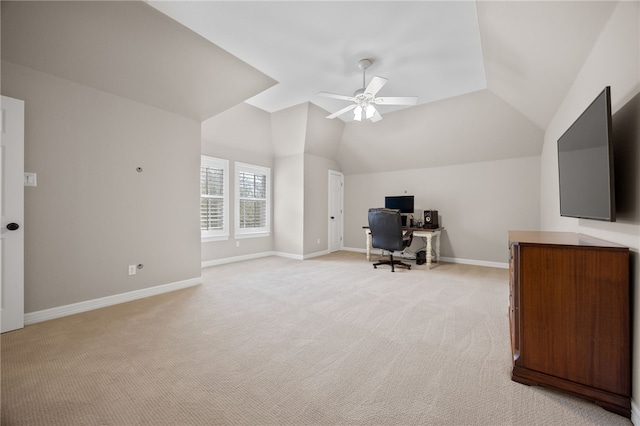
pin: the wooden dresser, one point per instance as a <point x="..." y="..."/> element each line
<point x="569" y="316"/>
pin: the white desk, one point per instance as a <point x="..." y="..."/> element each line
<point x="425" y="233"/>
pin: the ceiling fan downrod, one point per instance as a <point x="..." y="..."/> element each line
<point x="363" y="64"/>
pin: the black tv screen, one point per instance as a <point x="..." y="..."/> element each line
<point x="404" y="203"/>
<point x="585" y="164"/>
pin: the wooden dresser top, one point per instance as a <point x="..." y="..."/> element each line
<point x="559" y="238"/>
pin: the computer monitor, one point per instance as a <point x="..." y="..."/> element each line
<point x="404" y="203"/>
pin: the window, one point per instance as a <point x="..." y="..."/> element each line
<point x="252" y="203"/>
<point x="214" y="199"/>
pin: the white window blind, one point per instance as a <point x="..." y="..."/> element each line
<point x="252" y="200"/>
<point x="214" y="198"/>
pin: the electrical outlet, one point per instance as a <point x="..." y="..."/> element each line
<point x="237" y="243"/>
<point x="132" y="269"/>
<point x="318" y="240"/>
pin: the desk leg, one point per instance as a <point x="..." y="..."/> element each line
<point x="428" y="237"/>
<point x="368" y="245"/>
<point x="438" y="247"/>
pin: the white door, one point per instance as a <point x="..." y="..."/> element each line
<point x="12" y="206"/>
<point x="336" y="219"/>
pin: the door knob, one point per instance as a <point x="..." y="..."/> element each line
<point x="332" y="217"/>
<point x="13" y="226"/>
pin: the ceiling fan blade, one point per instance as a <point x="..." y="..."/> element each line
<point x="336" y="96"/>
<point x="376" y="117"/>
<point x="375" y="85"/>
<point x="342" y="111"/>
<point x="396" y="100"/>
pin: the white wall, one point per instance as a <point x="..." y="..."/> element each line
<point x="92" y="214"/>
<point x="477" y="203"/>
<point x="614" y="61"/>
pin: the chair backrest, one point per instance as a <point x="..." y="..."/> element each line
<point x="386" y="229"/>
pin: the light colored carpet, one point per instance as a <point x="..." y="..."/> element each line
<point x="274" y="341"/>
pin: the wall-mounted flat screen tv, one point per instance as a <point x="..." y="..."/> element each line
<point x="404" y="203"/>
<point x="585" y="164"/>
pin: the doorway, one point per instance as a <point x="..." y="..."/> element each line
<point x="12" y="206"/>
<point x="336" y="210"/>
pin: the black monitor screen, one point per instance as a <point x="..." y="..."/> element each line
<point x="404" y="203"/>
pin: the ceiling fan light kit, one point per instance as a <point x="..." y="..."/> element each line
<point x="364" y="99"/>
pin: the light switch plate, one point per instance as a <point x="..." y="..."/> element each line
<point x="30" y="179"/>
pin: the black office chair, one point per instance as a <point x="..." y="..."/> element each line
<point x="386" y="233"/>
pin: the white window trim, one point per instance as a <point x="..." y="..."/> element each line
<point x="253" y="232"/>
<point x="222" y="234"/>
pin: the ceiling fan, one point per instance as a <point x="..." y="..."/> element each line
<point x="364" y="99"/>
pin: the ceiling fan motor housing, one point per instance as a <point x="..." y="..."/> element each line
<point x="362" y="97"/>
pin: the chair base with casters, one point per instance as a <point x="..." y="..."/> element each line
<point x="387" y="234"/>
<point x="393" y="262"/>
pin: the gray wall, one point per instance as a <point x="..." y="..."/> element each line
<point x="228" y="136"/>
<point x="316" y="202"/>
<point x="92" y="214"/>
<point x="614" y="61"/>
<point x="469" y="128"/>
<point x="477" y="203"/>
<point x="300" y="179"/>
<point x="288" y="199"/>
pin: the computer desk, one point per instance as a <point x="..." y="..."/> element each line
<point x="425" y="233"/>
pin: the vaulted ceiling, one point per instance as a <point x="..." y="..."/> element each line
<point x="128" y="49"/>
<point x="489" y="75"/>
<point x="527" y="53"/>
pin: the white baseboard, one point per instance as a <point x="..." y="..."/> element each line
<point x="226" y="260"/>
<point x="233" y="259"/>
<point x="355" y="249"/>
<point x="450" y="259"/>
<point x="89" y="305"/>
<point x="316" y="254"/>
<point x="635" y="413"/>
<point x="289" y="255"/>
<point x="486" y="263"/>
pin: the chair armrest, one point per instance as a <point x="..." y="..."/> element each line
<point x="407" y="238"/>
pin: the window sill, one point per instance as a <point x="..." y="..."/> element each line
<point x="252" y="235"/>
<point x="214" y="238"/>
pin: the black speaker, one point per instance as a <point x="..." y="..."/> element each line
<point x="431" y="219"/>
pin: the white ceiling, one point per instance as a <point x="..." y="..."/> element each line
<point x="530" y="51"/>
<point x="518" y="58"/>
<point x="431" y="50"/>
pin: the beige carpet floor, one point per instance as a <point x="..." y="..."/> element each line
<point x="275" y="341"/>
